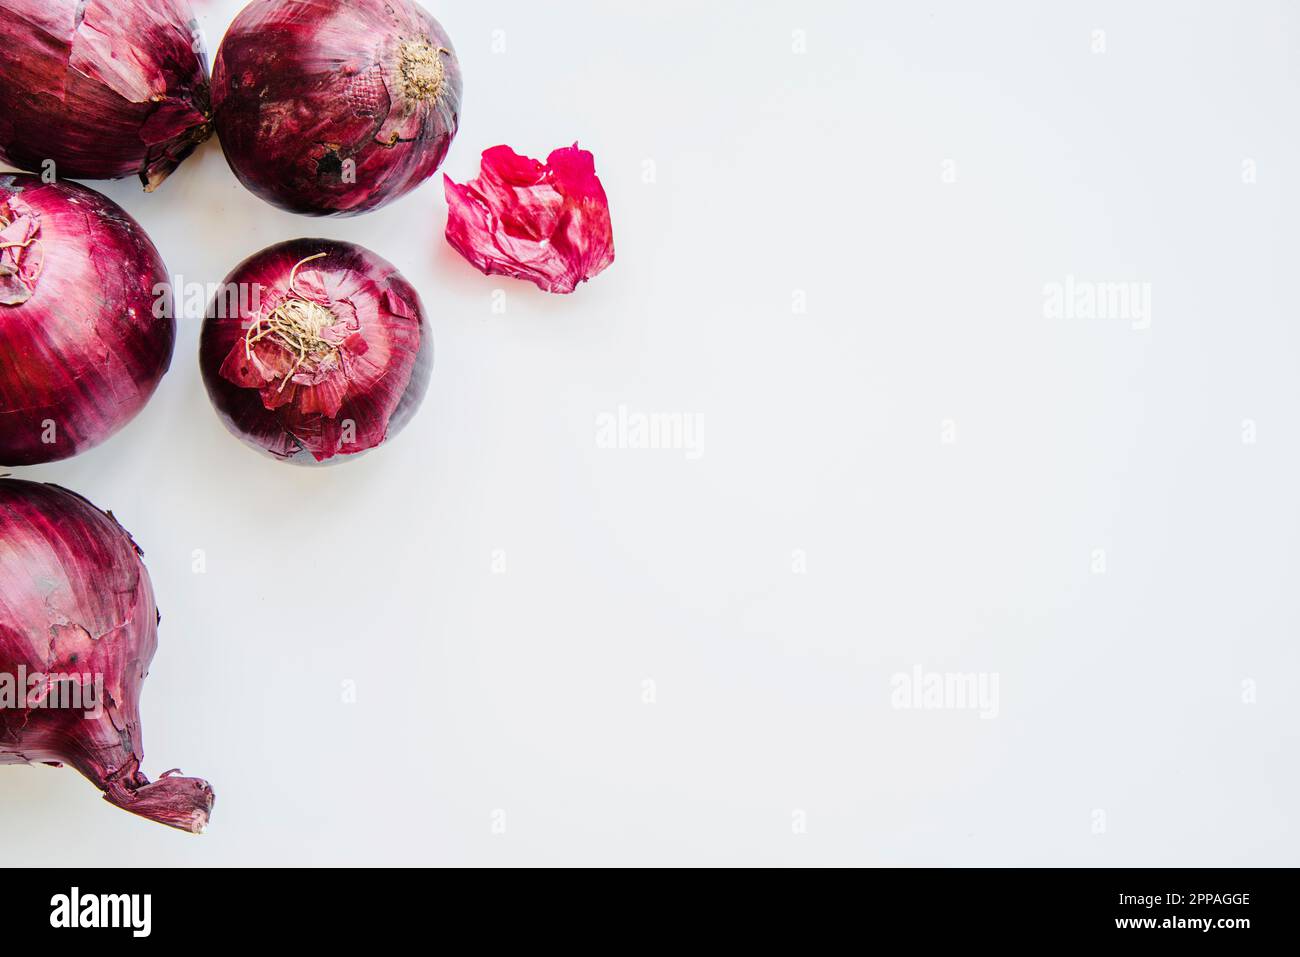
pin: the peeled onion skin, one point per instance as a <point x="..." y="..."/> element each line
<point x="75" y="599"/>
<point x="547" y="222"/>
<point x="344" y="401"/>
<point x="83" y="348"/>
<point x="335" y="107"/>
<point x="103" y="88"/>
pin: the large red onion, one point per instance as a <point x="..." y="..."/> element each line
<point x="335" y="107"/>
<point x="102" y="88"/>
<point x="86" y="325"/>
<point x="316" y="350"/>
<point x="78" y="628"/>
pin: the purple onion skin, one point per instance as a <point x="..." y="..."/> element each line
<point x="80" y="357"/>
<point x="103" y="88"/>
<point x="377" y="409"/>
<point x="75" y="599"/>
<point x="335" y="107"/>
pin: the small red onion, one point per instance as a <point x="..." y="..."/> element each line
<point x="86" y="326"/>
<point x="315" y="350"/>
<point x="335" y="107"/>
<point x="547" y="222"/>
<point x="78" y="628"/>
<point x="102" y="88"/>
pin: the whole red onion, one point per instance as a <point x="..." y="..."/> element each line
<point x="78" y="628"/>
<point x="102" y="88"/>
<point x="86" y="326"/>
<point x="316" y="349"/>
<point x="335" y="107"/>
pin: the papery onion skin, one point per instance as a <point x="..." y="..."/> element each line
<point x="86" y="319"/>
<point x="335" y="107"/>
<point x="346" y="398"/>
<point x="76" y="600"/>
<point x="102" y="88"/>
<point x="546" y="223"/>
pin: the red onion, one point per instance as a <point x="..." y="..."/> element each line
<point x="316" y="349"/>
<point x="102" y="88"/>
<point x="78" y="628"/>
<point x="546" y="223"/>
<point x="335" y="107"/>
<point x="86" y="326"/>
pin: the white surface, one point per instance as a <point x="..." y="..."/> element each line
<point x="522" y="692"/>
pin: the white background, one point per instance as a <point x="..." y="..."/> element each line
<point x="518" y="697"/>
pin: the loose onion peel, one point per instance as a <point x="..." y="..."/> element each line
<point x="547" y="223"/>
